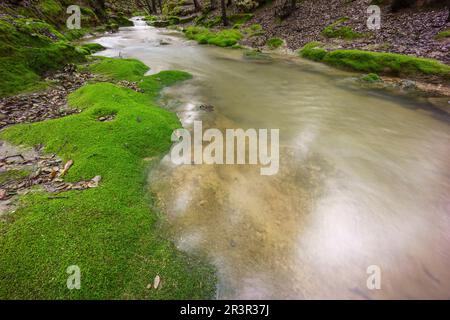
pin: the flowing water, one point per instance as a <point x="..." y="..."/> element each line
<point x="364" y="177"/>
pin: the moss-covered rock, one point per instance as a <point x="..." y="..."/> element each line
<point x="337" y="30"/>
<point x="274" y="43"/>
<point x="371" y="78"/>
<point x="377" y="62"/>
<point x="28" y="49"/>
<point x="224" y="38"/>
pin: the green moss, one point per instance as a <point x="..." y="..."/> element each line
<point x="173" y="20"/>
<point x="390" y="63"/>
<point x="313" y="51"/>
<point x="139" y="13"/>
<point x="371" y="77"/>
<point x="336" y="30"/>
<point x="74" y="34"/>
<point x="93" y="47"/>
<point x="224" y="38"/>
<point x="29" y="48"/>
<point x="50" y="8"/>
<point x="88" y="17"/>
<point x="443" y="34"/>
<point x="121" y="20"/>
<point x="209" y="23"/>
<point x="377" y="62"/>
<point x="109" y="231"/>
<point x="253" y="30"/>
<point x="274" y="43"/>
<point x="16" y="76"/>
<point x="118" y="69"/>
<point x="52" y="57"/>
<point x="151" y="18"/>
<point x="241" y="18"/>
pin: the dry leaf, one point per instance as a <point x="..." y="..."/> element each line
<point x="156" y="282"/>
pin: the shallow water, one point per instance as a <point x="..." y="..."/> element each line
<point x="364" y="177"/>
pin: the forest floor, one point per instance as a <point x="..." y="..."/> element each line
<point x="409" y="31"/>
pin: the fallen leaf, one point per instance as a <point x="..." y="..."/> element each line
<point x="156" y="282"/>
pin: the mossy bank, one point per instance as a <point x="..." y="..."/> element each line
<point x="110" y="232"/>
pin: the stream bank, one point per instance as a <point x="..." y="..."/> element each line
<point x="93" y="210"/>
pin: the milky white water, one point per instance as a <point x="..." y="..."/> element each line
<point x="364" y="177"/>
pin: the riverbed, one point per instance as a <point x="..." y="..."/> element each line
<point x="364" y="177"/>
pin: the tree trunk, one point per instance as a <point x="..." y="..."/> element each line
<point x="229" y="3"/>
<point x="224" y="13"/>
<point x="213" y="4"/>
<point x="160" y="5"/>
<point x="148" y="5"/>
<point x="154" y="6"/>
<point x="197" y="5"/>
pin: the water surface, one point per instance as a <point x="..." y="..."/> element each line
<point x="364" y="177"/>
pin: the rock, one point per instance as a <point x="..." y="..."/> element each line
<point x="408" y="85"/>
<point x="3" y="194"/>
<point x="164" y="43"/>
<point x="206" y="107"/>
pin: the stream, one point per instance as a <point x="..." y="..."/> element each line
<point x="364" y="177"/>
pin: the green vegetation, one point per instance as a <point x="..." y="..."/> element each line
<point x="371" y="77"/>
<point x="109" y="231"/>
<point x="118" y="69"/>
<point x="209" y="23"/>
<point x="313" y="51"/>
<point x="253" y="30"/>
<point x="240" y="18"/>
<point x="443" y="34"/>
<point x="274" y="43"/>
<point x="376" y="62"/>
<point x="29" y="48"/>
<point x="336" y="30"/>
<point x="50" y="8"/>
<point x="224" y="38"/>
<point x="93" y="47"/>
<point x="120" y="20"/>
